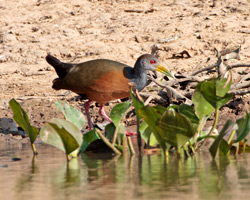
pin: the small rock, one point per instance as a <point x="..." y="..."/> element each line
<point x="8" y="125"/>
<point x="138" y="39"/>
<point x="16" y="159"/>
<point x="9" y="37"/>
<point x="34" y="29"/>
<point x="169" y="39"/>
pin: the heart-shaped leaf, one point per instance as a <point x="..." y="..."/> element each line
<point x="118" y="112"/>
<point x="228" y="127"/>
<point x="244" y="127"/>
<point x="176" y="129"/>
<point x="147" y="134"/>
<point x="70" y="137"/>
<point x="223" y="85"/>
<point x="71" y="114"/>
<point x="151" y="115"/>
<point x="137" y="104"/>
<point x="186" y="110"/>
<point x="202" y="107"/>
<point x="168" y="126"/>
<point x="22" y="119"/>
<point x="88" y="138"/>
<point x="213" y="91"/>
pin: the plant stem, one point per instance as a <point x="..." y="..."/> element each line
<point x="165" y="150"/>
<point x="237" y="149"/>
<point x="34" y="163"/>
<point x="192" y="147"/>
<point x="244" y="146"/>
<point x="34" y="149"/>
<point x="215" y="122"/>
<point x="131" y="147"/>
<point x="178" y="152"/>
<point x="68" y="157"/>
<point x="197" y="133"/>
<point x="104" y="139"/>
<point x="231" y="137"/>
<point x="213" y="127"/>
<point x="138" y="135"/>
<point x="125" y="144"/>
<point x="166" y="153"/>
<point x="115" y="136"/>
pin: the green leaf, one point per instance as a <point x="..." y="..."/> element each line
<point x="49" y="136"/>
<point x="137" y="104"/>
<point x="224" y="147"/>
<point x="60" y="107"/>
<point x="22" y="119"/>
<point x="147" y="135"/>
<point x="110" y="130"/>
<point x="215" y="91"/>
<point x="68" y="138"/>
<point x="244" y="127"/>
<point x="228" y="127"/>
<point x="176" y="129"/>
<point x="202" y="107"/>
<point x="223" y="85"/>
<point x="152" y="139"/>
<point x="151" y="115"/>
<point x="118" y="112"/>
<point x="168" y="126"/>
<point x="88" y="138"/>
<point x="143" y="126"/>
<point x="186" y="110"/>
<point x="71" y="114"/>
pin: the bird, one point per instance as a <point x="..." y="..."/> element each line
<point x="103" y="80"/>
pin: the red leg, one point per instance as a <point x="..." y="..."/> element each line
<point x="86" y="106"/>
<point x="103" y="114"/>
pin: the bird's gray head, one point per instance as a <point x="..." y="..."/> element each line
<point x="150" y="62"/>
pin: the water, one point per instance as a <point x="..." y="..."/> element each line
<point x="48" y="176"/>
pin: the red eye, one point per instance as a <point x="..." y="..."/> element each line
<point x="152" y="62"/>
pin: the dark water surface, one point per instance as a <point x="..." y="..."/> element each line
<point x="48" y="176"/>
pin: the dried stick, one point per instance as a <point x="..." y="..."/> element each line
<point x="150" y="97"/>
<point x="176" y="93"/>
<point x="148" y="100"/>
<point x="105" y="140"/>
<point x="245" y="78"/>
<point x="200" y="65"/>
<point x="204" y="69"/>
<point x="186" y="78"/>
<point x="238" y="65"/>
<point x="240" y="85"/>
<point x="240" y="92"/>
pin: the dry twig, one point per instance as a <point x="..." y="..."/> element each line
<point x="177" y="94"/>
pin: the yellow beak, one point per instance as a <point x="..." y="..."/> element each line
<point x="163" y="70"/>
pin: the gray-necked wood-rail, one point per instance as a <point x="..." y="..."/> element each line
<point x="103" y="80"/>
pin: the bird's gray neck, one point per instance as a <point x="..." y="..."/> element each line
<point x="139" y="77"/>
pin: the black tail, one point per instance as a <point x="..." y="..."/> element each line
<point x="60" y="67"/>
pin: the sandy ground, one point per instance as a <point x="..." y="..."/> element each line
<point x="80" y="30"/>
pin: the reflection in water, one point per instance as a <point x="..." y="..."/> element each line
<point x="48" y="176"/>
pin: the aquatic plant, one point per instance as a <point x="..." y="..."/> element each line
<point x="22" y="119"/>
<point x="178" y="127"/>
<point x="181" y="126"/>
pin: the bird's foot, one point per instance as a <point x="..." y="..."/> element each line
<point x="128" y="133"/>
<point x="103" y="114"/>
